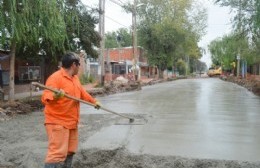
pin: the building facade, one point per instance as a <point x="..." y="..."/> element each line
<point x="121" y="61"/>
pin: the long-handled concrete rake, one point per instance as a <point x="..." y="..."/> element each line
<point x="131" y="120"/>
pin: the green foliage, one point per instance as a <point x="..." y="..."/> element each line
<point x="170" y="29"/>
<point x="119" y="38"/>
<point x="246" y="22"/>
<point x="27" y="24"/>
<point x="52" y="27"/>
<point x="181" y="67"/>
<point x="86" y="34"/>
<point x="225" y="50"/>
<point x="110" y="41"/>
<point x="26" y="21"/>
<point x="85" y="79"/>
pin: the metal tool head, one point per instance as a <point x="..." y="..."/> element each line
<point x="131" y="122"/>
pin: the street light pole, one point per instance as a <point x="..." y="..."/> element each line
<point x="102" y="42"/>
<point x="238" y="64"/>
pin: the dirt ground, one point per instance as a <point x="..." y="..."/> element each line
<point x="252" y="82"/>
<point x="23" y="143"/>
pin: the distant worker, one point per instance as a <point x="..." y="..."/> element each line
<point x="233" y="65"/>
<point x="136" y="71"/>
<point x="62" y="114"/>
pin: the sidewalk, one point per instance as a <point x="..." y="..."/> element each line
<point x="24" y="91"/>
<point x="24" y="95"/>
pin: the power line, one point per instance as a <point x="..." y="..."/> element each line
<point x="93" y="8"/>
<point x="119" y="4"/>
<point x="219" y="24"/>
<point x="116" y="21"/>
<point x="87" y="6"/>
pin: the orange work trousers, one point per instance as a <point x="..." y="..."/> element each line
<point x="61" y="142"/>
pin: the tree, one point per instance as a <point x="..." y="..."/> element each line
<point x="161" y="44"/>
<point x="224" y="51"/>
<point x="111" y="40"/>
<point x="119" y="38"/>
<point x="51" y="28"/>
<point x="181" y="67"/>
<point x="201" y="66"/>
<point x="246" y="21"/>
<point x="25" y="22"/>
<point x="169" y="30"/>
<point x="83" y="36"/>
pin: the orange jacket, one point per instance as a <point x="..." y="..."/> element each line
<point x="64" y="111"/>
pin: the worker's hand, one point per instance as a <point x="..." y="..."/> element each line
<point x="60" y="94"/>
<point x="97" y="105"/>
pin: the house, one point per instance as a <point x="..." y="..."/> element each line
<point x="4" y="68"/>
<point x="26" y="71"/>
<point x="120" y="61"/>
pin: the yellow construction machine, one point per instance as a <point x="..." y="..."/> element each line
<point x="214" y="71"/>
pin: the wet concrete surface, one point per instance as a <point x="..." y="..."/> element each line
<point x="197" y="118"/>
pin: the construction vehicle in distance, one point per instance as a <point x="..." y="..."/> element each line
<point x="214" y="71"/>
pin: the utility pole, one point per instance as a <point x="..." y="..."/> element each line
<point x="119" y="39"/>
<point x="101" y="71"/>
<point x="134" y="40"/>
<point x="239" y="49"/>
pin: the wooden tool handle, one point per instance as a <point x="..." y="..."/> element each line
<point x="77" y="99"/>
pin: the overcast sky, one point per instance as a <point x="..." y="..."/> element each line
<point x="219" y="24"/>
<point x="219" y="20"/>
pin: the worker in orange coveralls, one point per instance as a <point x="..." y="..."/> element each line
<point x="62" y="114"/>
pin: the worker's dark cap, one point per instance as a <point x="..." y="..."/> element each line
<point x="69" y="58"/>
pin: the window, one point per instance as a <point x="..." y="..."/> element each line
<point x="29" y="73"/>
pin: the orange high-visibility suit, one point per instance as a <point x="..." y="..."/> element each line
<point x="62" y="115"/>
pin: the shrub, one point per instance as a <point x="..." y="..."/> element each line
<point x="84" y="79"/>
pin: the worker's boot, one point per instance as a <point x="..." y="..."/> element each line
<point x="68" y="162"/>
<point x="53" y="165"/>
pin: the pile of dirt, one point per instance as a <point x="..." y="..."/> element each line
<point x="10" y="109"/>
<point x="252" y="83"/>
<point x="121" y="158"/>
<point x="115" y="87"/>
<point x="118" y="86"/>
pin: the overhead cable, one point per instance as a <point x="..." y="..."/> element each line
<point x="116" y="21"/>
